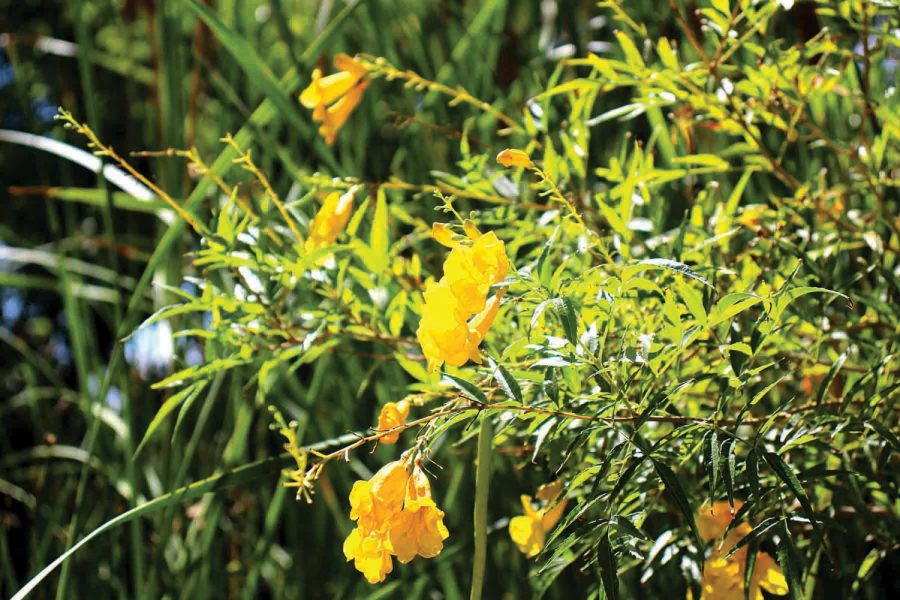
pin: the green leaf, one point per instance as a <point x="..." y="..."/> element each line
<point x="482" y="492"/>
<point x="168" y="406"/>
<point x="786" y="298"/>
<point x="567" y="317"/>
<point x="729" y="475"/>
<point x="632" y="55"/>
<point x="667" y="55"/>
<point x="379" y="240"/>
<point x="469" y="390"/>
<point x="713" y="458"/>
<point x="756" y="533"/>
<point x="506" y="381"/>
<point x="829" y="378"/>
<point x="676" y="492"/>
<point x="784" y="472"/>
<point x="752" y="468"/>
<point x="664" y="263"/>
<point x="786" y="561"/>
<point x="608" y="569"/>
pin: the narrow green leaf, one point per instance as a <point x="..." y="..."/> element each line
<point x="168" y="406"/>
<point x="786" y="561"/>
<point x="786" y="474"/>
<point x="379" y="239"/>
<point x="469" y="390"/>
<point x="728" y="476"/>
<point x="676" y="492"/>
<point x="567" y="317"/>
<point x="608" y="569"/>
<point x="506" y="381"/>
<point x="482" y="491"/>
<point x="829" y="378"/>
<point x="713" y="458"/>
<point x="664" y="263"/>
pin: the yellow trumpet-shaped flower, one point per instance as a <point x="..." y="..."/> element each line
<point x="373" y="502"/>
<point x="418" y="530"/>
<point x="723" y="578"/>
<point x="444" y="333"/>
<point x="330" y="220"/>
<point x="529" y="531"/>
<point x="470" y="271"/>
<point x="370" y="553"/>
<point x="514" y="158"/>
<point x="334" y="97"/>
<point x="395" y="516"/>
<point x="457" y="313"/>
<point x="393" y="414"/>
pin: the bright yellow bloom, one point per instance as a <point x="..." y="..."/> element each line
<point x="444" y="333"/>
<point x="457" y="314"/>
<point x="334" y="97"/>
<point x="329" y="221"/>
<point x="338" y="113"/>
<point x="396" y="516"/>
<point x="470" y="271"/>
<point x="723" y="578"/>
<point x="443" y="235"/>
<point x="419" y="528"/>
<point x="370" y="553"/>
<point x="373" y="502"/>
<point x="393" y="414"/>
<point x="514" y="158"/>
<point x="530" y="530"/>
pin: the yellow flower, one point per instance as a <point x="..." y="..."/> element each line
<point x="373" y="502"/>
<point x="393" y="414"/>
<point x="329" y="221"/>
<point x="396" y="516"/>
<point x="338" y="113"/>
<point x="514" y="158"/>
<point x="419" y="528"/>
<point x="470" y="271"/>
<point x="444" y="333"/>
<point x="334" y="97"/>
<point x="723" y="578"/>
<point x="370" y="553"/>
<point x="448" y="331"/>
<point x="529" y="531"/>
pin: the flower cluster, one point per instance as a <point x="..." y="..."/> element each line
<point x="334" y="97"/>
<point x="395" y="516"/>
<point x="330" y="220"/>
<point x="529" y="531"/>
<point x="457" y="312"/>
<point x="723" y="578"/>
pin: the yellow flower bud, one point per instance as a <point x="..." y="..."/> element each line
<point x="329" y="221"/>
<point x="393" y="414"/>
<point x="514" y="158"/>
<point x="333" y="98"/>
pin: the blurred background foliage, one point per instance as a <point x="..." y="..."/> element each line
<point x="767" y="167"/>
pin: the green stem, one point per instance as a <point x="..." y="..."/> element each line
<point x="482" y="486"/>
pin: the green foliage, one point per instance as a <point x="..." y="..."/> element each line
<point x="703" y="304"/>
